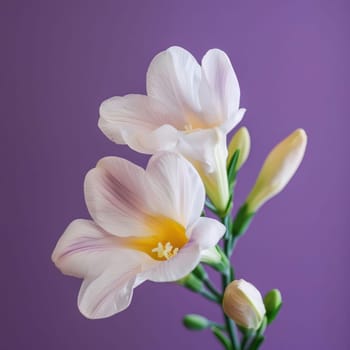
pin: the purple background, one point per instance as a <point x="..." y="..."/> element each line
<point x="60" y="59"/>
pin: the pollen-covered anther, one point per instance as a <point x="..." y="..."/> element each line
<point x="188" y="127"/>
<point x="166" y="251"/>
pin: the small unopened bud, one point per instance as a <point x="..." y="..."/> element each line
<point x="278" y="169"/>
<point x="191" y="282"/>
<point x="243" y="303"/>
<point x="195" y="322"/>
<point x="215" y="258"/>
<point x="240" y="141"/>
<point x="273" y="303"/>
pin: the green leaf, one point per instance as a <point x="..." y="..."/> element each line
<point x="231" y="170"/>
<point x="242" y="221"/>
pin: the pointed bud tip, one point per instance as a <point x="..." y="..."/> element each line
<point x="300" y="134"/>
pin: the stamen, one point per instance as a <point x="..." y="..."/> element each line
<point x="188" y="127"/>
<point x="166" y="251"/>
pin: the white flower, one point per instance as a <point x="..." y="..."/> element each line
<point x="188" y="109"/>
<point x="147" y="226"/>
<point x="243" y="303"/>
<point x="278" y="169"/>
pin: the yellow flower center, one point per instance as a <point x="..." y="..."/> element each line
<point x="166" y="238"/>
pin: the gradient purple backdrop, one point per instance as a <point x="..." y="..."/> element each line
<point x="60" y="59"/>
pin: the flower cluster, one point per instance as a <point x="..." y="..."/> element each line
<point x="150" y="224"/>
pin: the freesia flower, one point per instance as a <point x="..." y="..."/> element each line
<point x="188" y="109"/>
<point x="146" y="226"/>
<point x="244" y="304"/>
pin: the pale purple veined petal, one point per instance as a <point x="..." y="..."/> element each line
<point x="84" y="249"/>
<point x="116" y="194"/>
<point x="178" y="191"/>
<point x="219" y="89"/>
<point x="173" y="78"/>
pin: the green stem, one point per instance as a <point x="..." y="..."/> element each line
<point x="212" y="289"/>
<point x="259" y="336"/>
<point x="208" y="295"/>
<point x="247" y="337"/>
<point x="226" y="279"/>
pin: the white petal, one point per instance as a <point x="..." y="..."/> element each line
<point x="126" y="119"/>
<point x="178" y="191"/>
<point x="232" y="121"/>
<point x="83" y="249"/>
<point x="117" y="197"/>
<point x="164" y="138"/>
<point x="201" y="146"/>
<point x="219" y="88"/>
<point x="177" y="267"/>
<point x="109" y="293"/>
<point x="207" y="151"/>
<point x="173" y="78"/>
<point x="206" y="232"/>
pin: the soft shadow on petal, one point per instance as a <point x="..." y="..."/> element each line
<point x="173" y="78"/>
<point x="219" y="88"/>
<point x="165" y="138"/>
<point x="178" y="191"/>
<point x="124" y="118"/>
<point x="177" y="267"/>
<point x="84" y="249"/>
<point x="206" y="232"/>
<point x="233" y="121"/>
<point x="116" y="194"/>
<point x="109" y="293"/>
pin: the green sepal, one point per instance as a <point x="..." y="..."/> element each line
<point x="224" y="263"/>
<point x="257" y="342"/>
<point x="192" y="283"/>
<point x="195" y="322"/>
<point x="242" y="221"/>
<point x="200" y="272"/>
<point x="231" y="169"/>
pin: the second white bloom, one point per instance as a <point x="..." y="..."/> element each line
<point x="188" y="109"/>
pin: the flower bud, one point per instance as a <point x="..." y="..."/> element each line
<point x="215" y="258"/>
<point x="273" y="303"/>
<point x="191" y="282"/>
<point x="240" y="141"/>
<point x="278" y="169"/>
<point x="243" y="303"/>
<point x="195" y="322"/>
